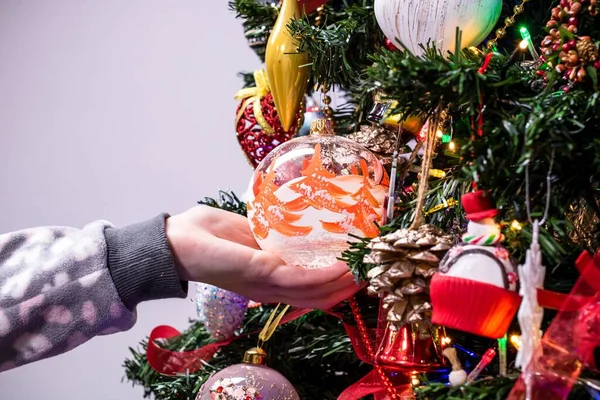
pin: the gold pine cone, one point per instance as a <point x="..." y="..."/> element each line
<point x="405" y="262"/>
<point x="379" y="139"/>
<point x="587" y="50"/>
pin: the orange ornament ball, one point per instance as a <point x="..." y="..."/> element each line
<point x="311" y="192"/>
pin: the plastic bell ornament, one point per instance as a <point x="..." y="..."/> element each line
<point x="251" y="380"/>
<point x="412" y="347"/>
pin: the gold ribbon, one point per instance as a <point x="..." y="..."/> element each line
<point x="254" y="95"/>
<point x="271" y="325"/>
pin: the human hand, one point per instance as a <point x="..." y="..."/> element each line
<point x="217" y="247"/>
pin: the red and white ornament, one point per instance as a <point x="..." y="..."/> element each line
<point x="476" y="288"/>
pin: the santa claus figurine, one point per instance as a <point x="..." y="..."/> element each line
<point x="476" y="288"/>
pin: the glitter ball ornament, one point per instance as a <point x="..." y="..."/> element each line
<point x="257" y="123"/>
<point x="311" y="192"/>
<point x="220" y="311"/>
<point x="250" y="380"/>
<point x="476" y="289"/>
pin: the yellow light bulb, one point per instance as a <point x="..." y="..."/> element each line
<point x="515" y="226"/>
<point x="446" y="341"/>
<point x="437" y="173"/>
<point x="516" y="341"/>
<point x="523" y="45"/>
<point x="452" y="146"/>
<point x="415" y="380"/>
<point x="439" y="133"/>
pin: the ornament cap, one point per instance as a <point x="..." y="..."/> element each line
<point x="255" y="356"/>
<point x="321" y="127"/>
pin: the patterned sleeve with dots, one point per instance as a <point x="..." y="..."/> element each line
<point x="60" y="287"/>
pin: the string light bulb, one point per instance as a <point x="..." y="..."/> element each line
<point x="524" y="33"/>
<point x="439" y="133"/>
<point x="446" y="341"/>
<point x="523" y="45"/>
<point x="516" y="341"/>
<point x="526" y="36"/>
<point x="515" y="226"/>
<point x="414" y="380"/>
<point x="437" y="173"/>
<point x="452" y="146"/>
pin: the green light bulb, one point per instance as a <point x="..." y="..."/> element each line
<point x="525" y="33"/>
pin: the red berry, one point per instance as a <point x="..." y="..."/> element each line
<point x="572" y="43"/>
<point x="573" y="21"/>
<point x="540" y="72"/>
<point x="566" y="89"/>
<point x="220" y="389"/>
<point x="597" y="65"/>
<point x="566" y="47"/>
<point x="564" y="3"/>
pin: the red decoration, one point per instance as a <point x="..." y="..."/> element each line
<point x="389" y="45"/>
<point x="412" y="348"/>
<point x="255" y="141"/>
<point x="569" y="341"/>
<point x="174" y="363"/>
<point x="471" y="306"/>
<point x="478" y="205"/>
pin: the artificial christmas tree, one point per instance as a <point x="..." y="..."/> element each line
<point x="516" y="118"/>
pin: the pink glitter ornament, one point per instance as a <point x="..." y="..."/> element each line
<point x="248" y="381"/>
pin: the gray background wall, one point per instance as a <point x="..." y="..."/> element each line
<point x="117" y="110"/>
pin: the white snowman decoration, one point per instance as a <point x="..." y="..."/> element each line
<point x="476" y="289"/>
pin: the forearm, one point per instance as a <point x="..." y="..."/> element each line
<point x="59" y="287"/>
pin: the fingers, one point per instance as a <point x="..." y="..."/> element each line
<point x="320" y="302"/>
<point x="301" y="278"/>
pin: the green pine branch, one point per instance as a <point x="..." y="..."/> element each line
<point x="339" y="49"/>
<point x="227" y="201"/>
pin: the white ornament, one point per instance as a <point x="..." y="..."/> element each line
<point x="457" y="378"/>
<point x="486" y="226"/>
<point x="486" y="264"/>
<point x="222" y="312"/>
<point x="530" y="314"/>
<point x="415" y="22"/>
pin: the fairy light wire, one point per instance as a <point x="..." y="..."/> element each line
<point x="548" y="191"/>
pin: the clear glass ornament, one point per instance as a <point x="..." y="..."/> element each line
<point x="311" y="192"/>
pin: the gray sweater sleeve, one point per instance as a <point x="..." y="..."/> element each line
<point x="59" y="287"/>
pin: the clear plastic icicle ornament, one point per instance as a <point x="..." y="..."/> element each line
<point x="531" y="275"/>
